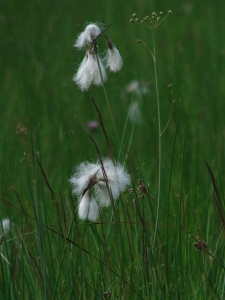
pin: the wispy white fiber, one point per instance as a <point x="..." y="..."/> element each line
<point x="87" y="36"/>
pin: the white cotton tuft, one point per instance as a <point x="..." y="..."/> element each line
<point x="88" y="72"/>
<point x="113" y="58"/>
<point x="87" y="36"/>
<point x="83" y="77"/>
<point x="102" y="180"/>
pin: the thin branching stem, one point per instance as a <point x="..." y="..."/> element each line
<point x="161" y="21"/>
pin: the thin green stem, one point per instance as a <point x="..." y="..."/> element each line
<point x="107" y="99"/>
<point x="40" y="231"/>
<point x="160" y="144"/>
<point x="170" y="179"/>
<point x="182" y="218"/>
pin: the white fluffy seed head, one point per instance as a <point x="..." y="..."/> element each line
<point x="87" y="36"/>
<point x="83" y="77"/>
<point x="104" y="180"/>
<point x="113" y="58"/>
<point x="88" y="72"/>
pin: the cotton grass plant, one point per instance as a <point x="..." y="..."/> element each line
<point x="92" y="70"/>
<point x="106" y="188"/>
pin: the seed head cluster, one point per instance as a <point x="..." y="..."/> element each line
<point x="97" y="184"/>
<point x="150" y="22"/>
<point x="92" y="68"/>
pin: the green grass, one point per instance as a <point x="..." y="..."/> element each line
<point x="49" y="253"/>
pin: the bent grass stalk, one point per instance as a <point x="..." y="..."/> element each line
<point x="40" y="233"/>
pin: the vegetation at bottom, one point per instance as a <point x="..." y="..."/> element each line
<point x="164" y="237"/>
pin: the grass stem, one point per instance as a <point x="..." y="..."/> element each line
<point x="159" y="143"/>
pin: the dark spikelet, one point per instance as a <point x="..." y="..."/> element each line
<point x="201" y="245"/>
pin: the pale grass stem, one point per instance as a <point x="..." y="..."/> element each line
<point x="107" y="99"/>
<point x="159" y="142"/>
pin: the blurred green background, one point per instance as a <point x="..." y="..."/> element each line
<point x="38" y="62"/>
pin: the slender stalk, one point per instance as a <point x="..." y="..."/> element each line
<point x="107" y="99"/>
<point x="40" y="231"/>
<point x="170" y="179"/>
<point x="182" y="218"/>
<point x="159" y="142"/>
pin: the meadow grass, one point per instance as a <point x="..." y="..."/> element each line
<point x="149" y="245"/>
